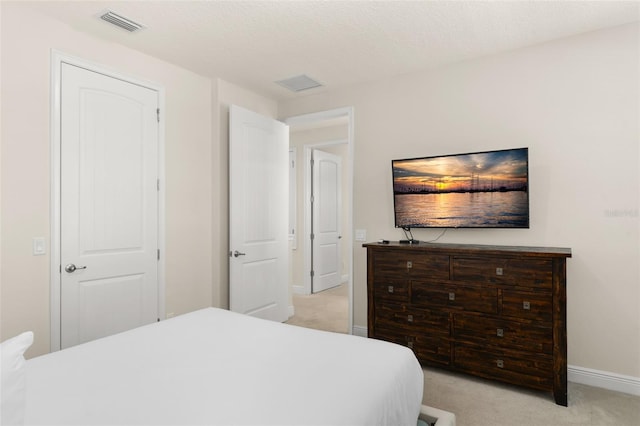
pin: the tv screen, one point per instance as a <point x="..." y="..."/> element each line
<point x="476" y="190"/>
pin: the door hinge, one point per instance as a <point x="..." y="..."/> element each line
<point x="312" y="236"/>
<point x="158" y="254"/>
<point x="158" y="114"/>
<point x="312" y="273"/>
<point x="158" y="184"/>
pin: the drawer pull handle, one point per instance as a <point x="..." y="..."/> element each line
<point x="526" y="305"/>
<point x="499" y="271"/>
<point x="390" y="289"/>
<point x="452" y="296"/>
<point x="410" y="318"/>
<point x="500" y="363"/>
<point x="500" y="332"/>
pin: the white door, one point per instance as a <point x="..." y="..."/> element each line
<point x="108" y="206"/>
<point x="258" y="215"/>
<point x="326" y="220"/>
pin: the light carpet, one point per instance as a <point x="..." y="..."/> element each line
<point x="327" y="310"/>
<point x="478" y="402"/>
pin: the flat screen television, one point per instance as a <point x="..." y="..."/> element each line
<point x="475" y="190"/>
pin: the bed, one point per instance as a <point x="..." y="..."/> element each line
<point x="217" y="367"/>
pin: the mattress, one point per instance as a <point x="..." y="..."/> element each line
<point x="215" y="367"/>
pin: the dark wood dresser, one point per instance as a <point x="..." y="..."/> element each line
<point x="496" y="312"/>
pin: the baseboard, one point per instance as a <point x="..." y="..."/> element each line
<point x="359" y="330"/>
<point x="604" y="379"/>
<point x="299" y="289"/>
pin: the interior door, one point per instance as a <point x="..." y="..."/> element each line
<point x="258" y="215"/>
<point x="326" y="220"/>
<point x="108" y="205"/>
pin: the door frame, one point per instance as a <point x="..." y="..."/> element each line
<point x="310" y="119"/>
<point x="57" y="59"/>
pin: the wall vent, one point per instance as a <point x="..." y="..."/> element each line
<point x="121" y="21"/>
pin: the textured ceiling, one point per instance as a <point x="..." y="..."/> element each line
<point x="339" y="43"/>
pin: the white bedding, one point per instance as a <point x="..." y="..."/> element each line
<point x="216" y="367"/>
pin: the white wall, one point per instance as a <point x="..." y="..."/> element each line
<point x="26" y="168"/>
<point x="574" y="103"/>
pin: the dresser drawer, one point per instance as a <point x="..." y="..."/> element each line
<point x="475" y="299"/>
<point x="389" y="263"/>
<point x="428" y="348"/>
<point x="432" y="267"/>
<point x="503" y="333"/>
<point x="535" y="273"/>
<point x="414" y="264"/>
<point x="391" y="289"/>
<point x="518" y="368"/>
<point x="410" y="318"/>
<point x="527" y="305"/>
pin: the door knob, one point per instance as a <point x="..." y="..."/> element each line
<point x="237" y="253"/>
<point x="71" y="268"/>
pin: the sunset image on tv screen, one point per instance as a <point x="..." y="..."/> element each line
<point x="484" y="189"/>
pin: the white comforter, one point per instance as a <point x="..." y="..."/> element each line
<point x="216" y="367"/>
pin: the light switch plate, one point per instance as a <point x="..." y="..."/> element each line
<point x="361" y="235"/>
<point x="39" y="247"/>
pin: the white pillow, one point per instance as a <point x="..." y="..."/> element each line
<point x="13" y="385"/>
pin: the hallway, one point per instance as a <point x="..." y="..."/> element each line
<point x="327" y="310"/>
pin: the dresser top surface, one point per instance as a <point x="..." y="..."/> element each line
<point x="474" y="249"/>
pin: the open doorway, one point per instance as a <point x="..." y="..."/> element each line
<point x="321" y="261"/>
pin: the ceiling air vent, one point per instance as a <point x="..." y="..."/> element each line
<point x="121" y="21"/>
<point x="299" y="83"/>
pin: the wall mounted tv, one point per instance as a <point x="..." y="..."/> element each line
<point x="476" y="190"/>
